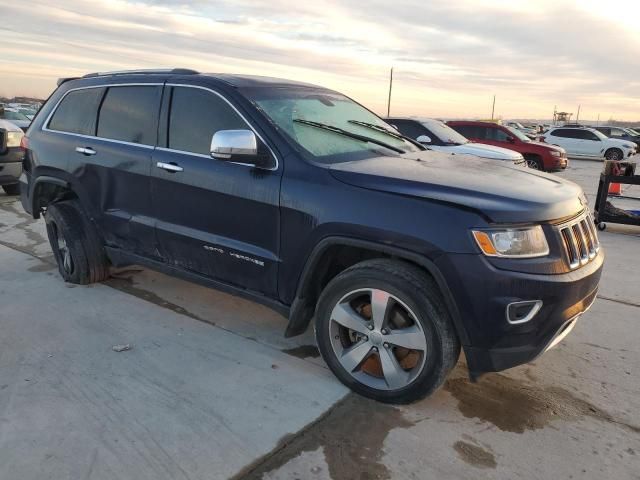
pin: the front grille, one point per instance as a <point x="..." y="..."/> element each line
<point x="580" y="240"/>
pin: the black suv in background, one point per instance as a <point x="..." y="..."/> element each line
<point x="620" y="133"/>
<point x="299" y="198"/>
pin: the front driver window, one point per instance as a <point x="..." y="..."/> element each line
<point x="197" y="114"/>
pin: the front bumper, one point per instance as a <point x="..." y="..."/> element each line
<point x="482" y="293"/>
<point x="10" y="165"/>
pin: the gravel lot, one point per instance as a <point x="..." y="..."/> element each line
<point x="210" y="388"/>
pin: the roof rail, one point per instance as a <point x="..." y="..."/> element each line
<point x="174" y="71"/>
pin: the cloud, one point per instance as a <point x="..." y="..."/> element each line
<point x="450" y="57"/>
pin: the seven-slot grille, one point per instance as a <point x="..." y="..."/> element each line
<point x="580" y="240"/>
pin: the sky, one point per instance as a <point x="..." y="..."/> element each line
<point x="449" y="56"/>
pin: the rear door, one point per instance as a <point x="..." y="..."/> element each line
<point x="567" y="139"/>
<point x="215" y="218"/>
<point x="109" y="136"/>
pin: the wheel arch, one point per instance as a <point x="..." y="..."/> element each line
<point x="47" y="189"/>
<point x="317" y="273"/>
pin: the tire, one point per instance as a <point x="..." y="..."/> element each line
<point x="76" y="245"/>
<point x="534" y="163"/>
<point x="614" y="154"/>
<point x="13" y="189"/>
<point x="414" y="306"/>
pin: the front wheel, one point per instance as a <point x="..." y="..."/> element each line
<point x="534" y="163"/>
<point x="385" y="332"/>
<point x="613" y="154"/>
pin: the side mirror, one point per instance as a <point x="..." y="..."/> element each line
<point x="239" y="146"/>
<point x="511" y="140"/>
<point x="424" y="139"/>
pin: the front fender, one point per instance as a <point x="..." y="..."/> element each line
<point x="303" y="307"/>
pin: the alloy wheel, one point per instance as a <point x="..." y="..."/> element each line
<point x="63" y="251"/>
<point x="377" y="339"/>
<point x="533" y="164"/>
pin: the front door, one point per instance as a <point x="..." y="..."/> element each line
<point x="214" y="218"/>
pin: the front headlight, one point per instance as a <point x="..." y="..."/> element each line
<point x="555" y="153"/>
<point x="14" y="139"/>
<point x="526" y="242"/>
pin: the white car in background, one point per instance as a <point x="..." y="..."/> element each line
<point x="588" y="142"/>
<point x="438" y="136"/>
<point x="14" y="116"/>
<point x="528" y="131"/>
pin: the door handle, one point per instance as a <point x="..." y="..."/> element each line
<point x="86" y="150"/>
<point x="169" y="167"/>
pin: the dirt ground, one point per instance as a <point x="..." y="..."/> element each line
<point x="211" y="389"/>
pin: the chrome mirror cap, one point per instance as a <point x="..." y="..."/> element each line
<point x="424" y="139"/>
<point x="226" y="144"/>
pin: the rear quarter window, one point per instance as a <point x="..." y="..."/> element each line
<point x="130" y="114"/>
<point x="77" y="112"/>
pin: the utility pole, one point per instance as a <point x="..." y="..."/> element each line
<point x="389" y="99"/>
<point x="493" y="108"/>
<point x="598" y="121"/>
<point x="578" y="114"/>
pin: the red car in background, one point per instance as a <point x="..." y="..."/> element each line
<point x="538" y="155"/>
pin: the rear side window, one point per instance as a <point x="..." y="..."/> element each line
<point x="130" y="114"/>
<point x="195" y="116"/>
<point x="77" y="112"/>
<point x="564" y="133"/>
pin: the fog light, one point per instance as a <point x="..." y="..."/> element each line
<point x="522" y="312"/>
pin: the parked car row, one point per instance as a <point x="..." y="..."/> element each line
<point x="16" y="117"/>
<point x="484" y="139"/>
<point x="299" y="198"/>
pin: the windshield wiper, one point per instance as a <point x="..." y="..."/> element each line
<point x="347" y="133"/>
<point x="378" y="128"/>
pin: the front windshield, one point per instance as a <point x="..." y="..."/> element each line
<point x="9" y="115"/>
<point x="311" y="118"/>
<point x="518" y="134"/>
<point x="633" y="132"/>
<point x="445" y="133"/>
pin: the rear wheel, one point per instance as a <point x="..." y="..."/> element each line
<point x="613" y="154"/>
<point x="75" y="244"/>
<point x="13" y="189"/>
<point x="385" y="332"/>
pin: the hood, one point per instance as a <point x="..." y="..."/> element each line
<point x="487" y="151"/>
<point x="499" y="190"/>
<point x="622" y="143"/>
<point x="548" y="146"/>
<point x="9" y="126"/>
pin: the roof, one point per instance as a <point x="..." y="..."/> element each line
<point x="240" y="81"/>
<point x="474" y="122"/>
<point x="244" y="81"/>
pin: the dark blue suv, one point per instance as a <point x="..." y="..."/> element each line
<point x="299" y="198"/>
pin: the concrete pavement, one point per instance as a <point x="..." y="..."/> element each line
<point x="212" y="390"/>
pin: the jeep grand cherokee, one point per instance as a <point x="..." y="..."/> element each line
<point x="299" y="198"/>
